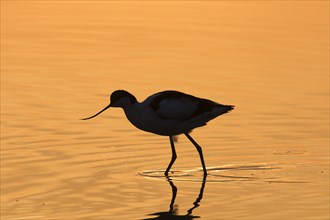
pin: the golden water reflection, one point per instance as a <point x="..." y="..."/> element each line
<point x="172" y="213"/>
<point x="268" y="159"/>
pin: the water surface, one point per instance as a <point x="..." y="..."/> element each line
<point x="267" y="159"/>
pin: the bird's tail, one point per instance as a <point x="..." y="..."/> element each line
<point x="225" y="108"/>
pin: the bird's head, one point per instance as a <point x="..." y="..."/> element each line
<point x="119" y="98"/>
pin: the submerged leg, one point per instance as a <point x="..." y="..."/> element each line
<point x="173" y="156"/>
<point x="199" y="149"/>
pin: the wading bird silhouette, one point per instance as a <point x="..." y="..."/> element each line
<point x="168" y="113"/>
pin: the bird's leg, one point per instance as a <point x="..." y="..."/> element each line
<point x="199" y="149"/>
<point x="173" y="156"/>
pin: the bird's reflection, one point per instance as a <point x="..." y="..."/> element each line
<point x="172" y="213"/>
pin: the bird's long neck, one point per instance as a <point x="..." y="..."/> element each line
<point x="133" y="113"/>
<point x="131" y="106"/>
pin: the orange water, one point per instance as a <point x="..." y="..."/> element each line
<point x="267" y="159"/>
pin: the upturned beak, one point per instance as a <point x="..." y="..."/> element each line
<point x="97" y="113"/>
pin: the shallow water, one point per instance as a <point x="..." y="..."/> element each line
<point x="267" y="159"/>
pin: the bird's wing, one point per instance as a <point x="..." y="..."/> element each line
<point x="174" y="105"/>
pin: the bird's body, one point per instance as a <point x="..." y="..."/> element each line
<point x="172" y="113"/>
<point x="168" y="113"/>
